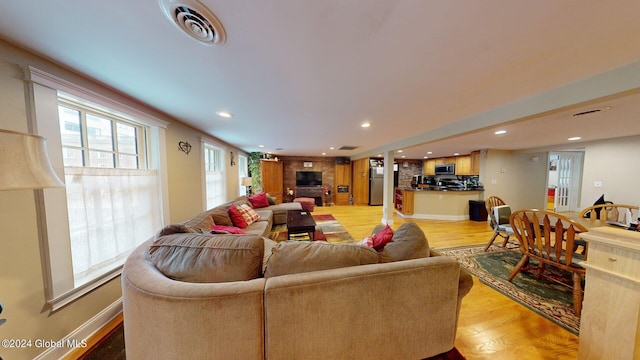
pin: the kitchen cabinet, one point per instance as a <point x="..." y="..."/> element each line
<point x="342" y="178"/>
<point x="475" y="162"/>
<point x="271" y="175"/>
<point x="429" y="167"/>
<point x="463" y="165"/>
<point x="403" y="201"/>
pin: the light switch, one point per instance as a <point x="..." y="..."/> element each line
<point x="597" y="184"/>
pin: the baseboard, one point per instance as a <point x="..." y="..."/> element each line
<point x="79" y="337"/>
<point x="433" y="217"/>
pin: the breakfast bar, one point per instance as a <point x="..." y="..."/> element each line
<point x="438" y="204"/>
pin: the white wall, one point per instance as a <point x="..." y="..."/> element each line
<point x="616" y="164"/>
<point x="515" y="178"/>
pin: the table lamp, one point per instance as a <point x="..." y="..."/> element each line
<point x="24" y="164"/>
<point x="248" y="182"/>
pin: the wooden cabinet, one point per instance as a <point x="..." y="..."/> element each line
<point x="475" y="163"/>
<point x="360" y="181"/>
<point x="271" y="175"/>
<point x="463" y="165"/>
<point x="609" y="325"/>
<point x="403" y="201"/>
<point x="342" y="177"/>
<point x="429" y="167"/>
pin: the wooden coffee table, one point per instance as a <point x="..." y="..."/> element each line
<point x="299" y="222"/>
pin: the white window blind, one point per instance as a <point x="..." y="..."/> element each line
<point x="214" y="175"/>
<point x="243" y="171"/>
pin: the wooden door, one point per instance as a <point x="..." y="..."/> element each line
<point x="361" y="181"/>
<point x="271" y="174"/>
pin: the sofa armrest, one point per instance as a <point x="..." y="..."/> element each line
<point x="167" y="319"/>
<point x="465" y="282"/>
<point x="403" y="310"/>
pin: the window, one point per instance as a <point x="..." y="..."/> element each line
<point x="214" y="176"/>
<point x="243" y="171"/>
<point x="109" y="205"/>
<point x="113" y="166"/>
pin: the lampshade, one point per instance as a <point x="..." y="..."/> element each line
<point x="24" y="163"/>
<point x="246" y="181"/>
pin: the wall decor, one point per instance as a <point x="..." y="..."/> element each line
<point x="184" y="147"/>
<point x="233" y="161"/>
<point x="307" y="164"/>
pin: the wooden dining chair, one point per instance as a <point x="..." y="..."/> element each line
<point x="499" y="224"/>
<point x="609" y="212"/>
<point x="544" y="237"/>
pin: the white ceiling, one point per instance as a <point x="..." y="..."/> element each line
<point x="301" y="75"/>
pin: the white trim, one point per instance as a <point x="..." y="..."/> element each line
<point x="80" y="335"/>
<point x="74" y="91"/>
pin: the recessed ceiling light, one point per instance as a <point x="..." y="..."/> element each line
<point x="261" y="146"/>
<point x="574" y="138"/>
<point x="399" y="151"/>
<point x="225" y="114"/>
<point x="426" y="157"/>
<point x="366" y="124"/>
<point x="500" y="132"/>
<point x="331" y="148"/>
<point x="324" y="153"/>
<point x="456" y="154"/>
<point x="429" y="152"/>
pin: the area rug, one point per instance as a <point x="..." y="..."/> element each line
<point x="327" y="229"/>
<point x="547" y="298"/>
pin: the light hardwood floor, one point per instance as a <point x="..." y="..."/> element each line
<point x="491" y="325"/>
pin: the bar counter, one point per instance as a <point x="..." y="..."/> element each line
<point x="436" y="204"/>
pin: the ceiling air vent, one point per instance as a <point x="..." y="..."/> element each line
<point x="347" y="147"/>
<point x="195" y="19"/>
<point x="587" y="112"/>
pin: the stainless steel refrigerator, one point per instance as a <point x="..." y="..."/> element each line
<point x="376" y="185"/>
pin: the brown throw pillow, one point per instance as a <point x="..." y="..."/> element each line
<point x="220" y="216"/>
<point x="208" y="258"/>
<point x="291" y="257"/>
<point x="408" y="242"/>
<point x="175" y="229"/>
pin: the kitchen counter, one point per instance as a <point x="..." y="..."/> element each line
<point x="437" y="204"/>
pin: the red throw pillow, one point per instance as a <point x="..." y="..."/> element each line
<point x="221" y="229"/>
<point x="259" y="200"/>
<point x="236" y="217"/>
<point x="382" y="238"/>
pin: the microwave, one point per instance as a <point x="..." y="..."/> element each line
<point x="446" y="169"/>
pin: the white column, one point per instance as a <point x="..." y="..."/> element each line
<point x="387" y="195"/>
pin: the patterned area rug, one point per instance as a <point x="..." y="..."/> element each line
<point x="327" y="229"/>
<point x="547" y="298"/>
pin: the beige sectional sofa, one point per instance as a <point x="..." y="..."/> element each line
<point x="269" y="216"/>
<point x="200" y="296"/>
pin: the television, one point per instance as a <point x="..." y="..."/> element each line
<point x="308" y="178"/>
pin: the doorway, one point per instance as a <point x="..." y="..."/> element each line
<point x="564" y="180"/>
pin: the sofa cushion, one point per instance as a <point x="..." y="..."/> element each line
<point x="221" y="229"/>
<point x="271" y="199"/>
<point x="408" y="242"/>
<point x="175" y="229"/>
<point x="208" y="258"/>
<point x="220" y="216"/>
<point x="259" y="200"/>
<point x="291" y="257"/>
